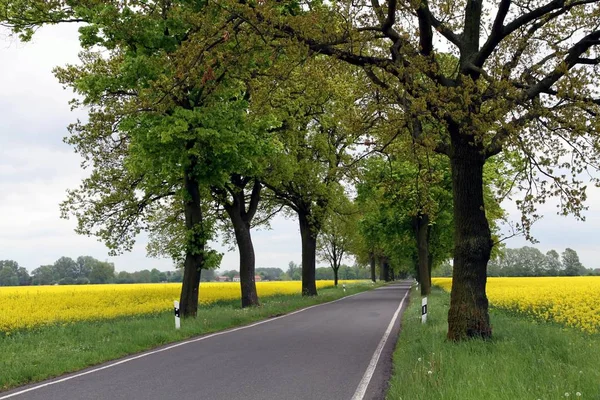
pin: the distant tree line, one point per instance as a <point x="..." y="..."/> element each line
<point x="88" y="270"/>
<point x="83" y="270"/>
<point x="294" y="273"/>
<point x="529" y="261"/>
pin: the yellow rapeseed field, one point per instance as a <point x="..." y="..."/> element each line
<point x="31" y="306"/>
<point x="573" y="301"/>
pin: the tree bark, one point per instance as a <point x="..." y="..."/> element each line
<point x="309" y="253"/>
<point x="468" y="316"/>
<point x="372" y="261"/>
<point x="335" y="276"/>
<point x="243" y="238"/>
<point x="241" y="219"/>
<point x="421" y="222"/>
<point x="430" y="266"/>
<point x="382" y="272"/>
<point x="385" y="269"/>
<point x="194" y="258"/>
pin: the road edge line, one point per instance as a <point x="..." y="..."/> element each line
<point x="173" y="346"/>
<point x="361" y="390"/>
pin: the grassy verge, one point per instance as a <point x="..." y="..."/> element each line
<point x="34" y="355"/>
<point x="525" y="360"/>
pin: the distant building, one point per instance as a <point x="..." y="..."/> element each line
<point x="236" y="278"/>
<point x="222" y="279"/>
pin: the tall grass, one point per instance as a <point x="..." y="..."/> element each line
<point x="526" y="359"/>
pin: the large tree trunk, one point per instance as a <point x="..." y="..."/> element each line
<point x="335" y="276"/>
<point x="194" y="258"/>
<point x="430" y="266"/>
<point x="241" y="219"/>
<point x="372" y="261"/>
<point x="468" y="315"/>
<point x="247" y="257"/>
<point x="421" y="223"/>
<point x="385" y="269"/>
<point x="309" y="254"/>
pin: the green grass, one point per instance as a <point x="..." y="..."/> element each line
<point x="526" y="359"/>
<point x="34" y="355"/>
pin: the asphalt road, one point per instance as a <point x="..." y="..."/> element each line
<point x="324" y="352"/>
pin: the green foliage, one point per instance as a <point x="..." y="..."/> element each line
<point x="529" y="261"/>
<point x="66" y="271"/>
<point x="571" y="264"/>
<point x="166" y="98"/>
<point x="294" y="272"/>
<point x="314" y="104"/>
<point x="340" y="230"/>
<point x="391" y="194"/>
<point x="11" y="274"/>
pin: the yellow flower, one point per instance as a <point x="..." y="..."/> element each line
<point x="572" y="301"/>
<point x="32" y="306"/>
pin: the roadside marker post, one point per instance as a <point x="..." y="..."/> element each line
<point x="424" y="310"/>
<point x="177" y="319"/>
<point x="344" y="286"/>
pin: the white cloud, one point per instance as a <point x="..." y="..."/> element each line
<point x="36" y="168"/>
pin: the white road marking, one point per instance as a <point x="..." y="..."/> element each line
<point x="366" y="379"/>
<point x="149" y="353"/>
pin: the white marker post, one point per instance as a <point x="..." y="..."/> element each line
<point x="424" y="310"/>
<point x="344" y="286"/>
<point x="177" y="319"/>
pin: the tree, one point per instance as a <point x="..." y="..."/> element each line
<point x="294" y="272"/>
<point x="270" y="274"/>
<point x="553" y="263"/>
<point x="154" y="275"/>
<point x="208" y="275"/>
<point x="23" y="277"/>
<point x="526" y="261"/>
<point x="338" y="232"/>
<point x="241" y="210"/>
<point x="324" y="273"/>
<point x="164" y="129"/>
<point x="8" y="277"/>
<point x="523" y="83"/>
<point x="571" y="264"/>
<point x="102" y="272"/>
<point x="126" y="277"/>
<point x="11" y="274"/>
<point x="320" y="121"/>
<point x="85" y="265"/>
<point x="44" y="275"/>
<point x="66" y="268"/>
<point x="522" y="86"/>
<point x="175" y="276"/>
<point x="407" y="209"/>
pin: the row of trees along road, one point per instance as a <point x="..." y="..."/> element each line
<point x="203" y="114"/>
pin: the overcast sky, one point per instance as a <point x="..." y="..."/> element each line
<point x="36" y="168"/>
